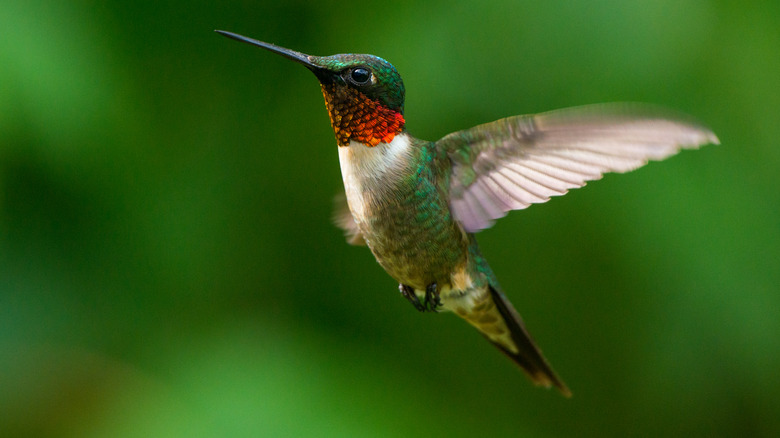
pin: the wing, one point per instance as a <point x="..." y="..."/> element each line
<point x="512" y="163"/>
<point x="343" y="219"/>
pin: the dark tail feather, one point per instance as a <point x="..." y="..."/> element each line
<point x="528" y="355"/>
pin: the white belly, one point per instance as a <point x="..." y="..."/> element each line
<point x="367" y="171"/>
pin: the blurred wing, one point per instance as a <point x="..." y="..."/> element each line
<point x="343" y="219"/>
<point x="512" y="163"/>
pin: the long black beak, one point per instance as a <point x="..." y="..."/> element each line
<point x="298" y="57"/>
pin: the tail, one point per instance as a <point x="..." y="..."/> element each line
<point x="499" y="322"/>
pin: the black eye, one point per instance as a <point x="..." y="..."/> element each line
<point x="360" y="75"/>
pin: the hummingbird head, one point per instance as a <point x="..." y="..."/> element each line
<point x="364" y="94"/>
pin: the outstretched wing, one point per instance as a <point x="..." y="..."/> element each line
<point x="512" y="163"/>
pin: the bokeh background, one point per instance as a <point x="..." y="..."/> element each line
<point x="168" y="266"/>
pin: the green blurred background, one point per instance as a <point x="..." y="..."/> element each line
<point x="168" y="266"/>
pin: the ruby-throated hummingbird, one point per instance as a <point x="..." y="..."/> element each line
<point x="417" y="204"/>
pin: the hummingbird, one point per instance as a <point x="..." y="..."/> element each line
<point x="418" y="204"/>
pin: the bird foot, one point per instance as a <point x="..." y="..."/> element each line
<point x="432" y="298"/>
<point x="408" y="293"/>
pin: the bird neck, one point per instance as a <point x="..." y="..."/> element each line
<point x="356" y="117"/>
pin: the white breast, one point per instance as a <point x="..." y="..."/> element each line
<point x="369" y="170"/>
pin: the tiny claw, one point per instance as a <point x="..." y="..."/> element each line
<point x="408" y="293"/>
<point x="432" y="298"/>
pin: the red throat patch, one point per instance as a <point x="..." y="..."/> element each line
<point x="356" y="117"/>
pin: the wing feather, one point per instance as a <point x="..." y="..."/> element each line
<point x="512" y="163"/>
<point x="342" y="218"/>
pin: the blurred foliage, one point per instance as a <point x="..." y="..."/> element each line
<point x="168" y="266"/>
